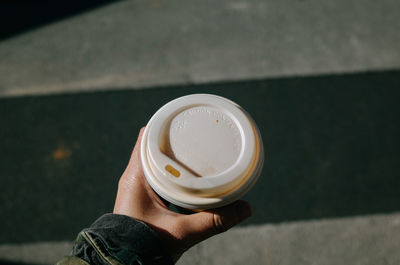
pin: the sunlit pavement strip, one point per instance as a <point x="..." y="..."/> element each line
<point x="35" y="253"/>
<point x="138" y="44"/>
<point x="355" y="240"/>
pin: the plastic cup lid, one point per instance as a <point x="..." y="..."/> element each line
<point x="201" y="151"/>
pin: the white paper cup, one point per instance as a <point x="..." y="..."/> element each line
<point x="201" y="151"/>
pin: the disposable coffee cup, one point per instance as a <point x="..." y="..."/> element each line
<point x="201" y="151"/>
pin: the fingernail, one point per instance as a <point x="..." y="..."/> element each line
<point x="243" y="210"/>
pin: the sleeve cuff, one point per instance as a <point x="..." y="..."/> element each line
<point x="126" y="240"/>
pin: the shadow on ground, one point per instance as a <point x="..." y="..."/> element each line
<point x="332" y="149"/>
<point x="17" y="17"/>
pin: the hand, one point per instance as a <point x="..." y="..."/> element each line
<point x="179" y="232"/>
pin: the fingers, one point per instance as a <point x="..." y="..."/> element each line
<point x="134" y="197"/>
<point x="134" y="169"/>
<point x="133" y="178"/>
<point x="231" y="215"/>
<point x="135" y="156"/>
<point x="205" y="224"/>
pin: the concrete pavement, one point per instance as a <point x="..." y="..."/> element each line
<point x="328" y="154"/>
<point x="367" y="240"/>
<point x="138" y="44"/>
<point x="359" y="240"/>
<point x="319" y="78"/>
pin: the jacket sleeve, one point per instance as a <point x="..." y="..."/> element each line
<point x="117" y="239"/>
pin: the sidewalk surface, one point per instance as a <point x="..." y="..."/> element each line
<point x="321" y="79"/>
<point x="137" y="44"/>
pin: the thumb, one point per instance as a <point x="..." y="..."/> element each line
<point x="203" y="225"/>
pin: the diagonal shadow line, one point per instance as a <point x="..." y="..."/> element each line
<point x="17" y="17"/>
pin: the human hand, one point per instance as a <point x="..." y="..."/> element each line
<point x="179" y="232"/>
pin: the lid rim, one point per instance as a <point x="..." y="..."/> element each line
<point x="204" y="202"/>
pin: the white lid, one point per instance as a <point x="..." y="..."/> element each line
<point x="201" y="151"/>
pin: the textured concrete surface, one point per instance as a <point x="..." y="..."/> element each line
<point x="367" y="240"/>
<point x="34" y="253"/>
<point x="332" y="149"/>
<point x="136" y="44"/>
<point x="332" y="140"/>
<point x="362" y="240"/>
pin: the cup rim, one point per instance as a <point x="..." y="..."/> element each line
<point x="196" y="202"/>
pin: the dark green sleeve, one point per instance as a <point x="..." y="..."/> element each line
<point x="117" y="239"/>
